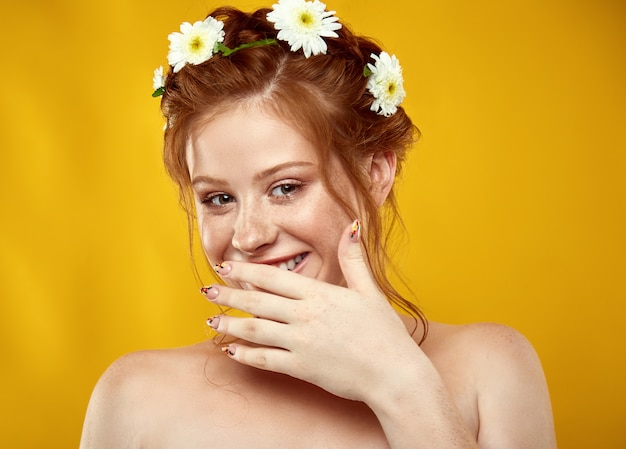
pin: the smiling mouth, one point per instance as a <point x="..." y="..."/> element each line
<point x="291" y="264"/>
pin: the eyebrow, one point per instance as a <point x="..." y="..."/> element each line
<point x="203" y="179"/>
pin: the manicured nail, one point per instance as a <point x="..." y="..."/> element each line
<point x="355" y="231"/>
<point x="222" y="268"/>
<point x="228" y="350"/>
<point x="213" y="322"/>
<point x="210" y="292"/>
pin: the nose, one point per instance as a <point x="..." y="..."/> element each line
<point x="253" y="230"/>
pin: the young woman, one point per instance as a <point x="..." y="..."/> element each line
<point x="285" y="134"/>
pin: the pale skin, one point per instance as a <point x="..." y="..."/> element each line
<point x="324" y="361"/>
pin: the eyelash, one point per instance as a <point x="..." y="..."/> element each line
<point x="210" y="199"/>
<point x="294" y="185"/>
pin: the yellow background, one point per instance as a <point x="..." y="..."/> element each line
<point x="515" y="197"/>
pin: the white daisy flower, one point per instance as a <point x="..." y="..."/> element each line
<point x="303" y="24"/>
<point x="158" y="79"/>
<point x="195" y="43"/>
<point x="385" y="83"/>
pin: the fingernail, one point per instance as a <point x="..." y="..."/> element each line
<point x="355" y="231"/>
<point x="222" y="268"/>
<point x="213" y="322"/>
<point x="228" y="350"/>
<point x="210" y="292"/>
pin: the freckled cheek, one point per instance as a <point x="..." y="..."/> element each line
<point x="326" y="224"/>
<point x="215" y="238"/>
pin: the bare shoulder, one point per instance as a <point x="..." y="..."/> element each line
<point x="496" y="342"/>
<point x="135" y="372"/>
<point x="494" y="355"/>
<point x="502" y="368"/>
<point x="130" y="394"/>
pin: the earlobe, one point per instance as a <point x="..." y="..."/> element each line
<point x="382" y="175"/>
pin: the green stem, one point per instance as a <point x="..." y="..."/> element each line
<point x="229" y="51"/>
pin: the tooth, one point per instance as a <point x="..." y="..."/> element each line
<point x="298" y="258"/>
<point x="291" y="264"/>
<point x="283" y="266"/>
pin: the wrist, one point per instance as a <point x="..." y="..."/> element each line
<point x="405" y="374"/>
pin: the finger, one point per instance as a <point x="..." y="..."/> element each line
<point x="255" y="330"/>
<point x="257" y="303"/>
<point x="269" y="359"/>
<point x="268" y="278"/>
<point x="354" y="267"/>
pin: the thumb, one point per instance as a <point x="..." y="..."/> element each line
<point x="352" y="260"/>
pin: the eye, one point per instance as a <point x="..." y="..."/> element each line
<point x="218" y="199"/>
<point x="286" y="189"/>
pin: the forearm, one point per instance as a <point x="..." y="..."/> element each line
<point x="416" y="411"/>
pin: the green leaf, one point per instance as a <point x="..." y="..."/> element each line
<point x="366" y="71"/>
<point x="157" y="93"/>
<point x="219" y="47"/>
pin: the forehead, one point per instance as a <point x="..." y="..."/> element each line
<point x="303" y="114"/>
<point x="246" y="135"/>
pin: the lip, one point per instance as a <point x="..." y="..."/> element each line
<point x="292" y="263"/>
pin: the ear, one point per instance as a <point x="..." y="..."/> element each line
<point x="382" y="175"/>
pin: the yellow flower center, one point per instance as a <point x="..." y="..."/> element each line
<point x="196" y="44"/>
<point x="391" y="88"/>
<point x="306" y="19"/>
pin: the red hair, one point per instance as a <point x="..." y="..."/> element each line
<point x="324" y="97"/>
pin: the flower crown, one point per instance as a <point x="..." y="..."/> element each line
<point x="303" y="24"/>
